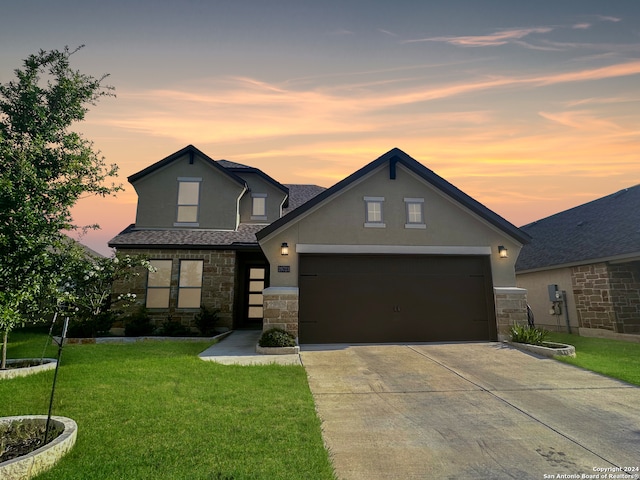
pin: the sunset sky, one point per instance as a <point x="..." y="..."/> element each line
<point x="529" y="107"/>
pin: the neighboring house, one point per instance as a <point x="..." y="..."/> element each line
<point x="391" y="253"/>
<point x="592" y="254"/>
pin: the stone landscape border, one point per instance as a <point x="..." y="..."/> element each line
<point x="549" y="349"/>
<point x="36" y="462"/>
<point x="47" y="364"/>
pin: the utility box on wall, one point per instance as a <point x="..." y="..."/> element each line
<point x="554" y="293"/>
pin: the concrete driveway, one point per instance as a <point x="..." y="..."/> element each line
<point x="469" y="411"/>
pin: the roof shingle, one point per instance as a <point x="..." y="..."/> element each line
<point x="604" y="228"/>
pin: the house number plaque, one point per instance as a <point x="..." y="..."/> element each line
<point x="284" y="268"/>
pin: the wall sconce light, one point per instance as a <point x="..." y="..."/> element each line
<point x="284" y="249"/>
<point x="503" y="252"/>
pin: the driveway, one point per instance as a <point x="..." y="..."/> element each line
<point x="469" y="411"/>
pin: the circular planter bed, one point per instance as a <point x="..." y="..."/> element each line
<point x="22" y="367"/>
<point x="547" y="349"/>
<point x="37" y="461"/>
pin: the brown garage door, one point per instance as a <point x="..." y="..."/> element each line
<point x="395" y="298"/>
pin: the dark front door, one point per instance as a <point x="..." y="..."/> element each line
<point x="256" y="276"/>
<point x="252" y="277"/>
<point x="395" y="298"/>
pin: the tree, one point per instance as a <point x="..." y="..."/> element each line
<point x="45" y="167"/>
<point x="88" y="287"/>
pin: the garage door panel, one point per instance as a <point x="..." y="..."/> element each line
<point x="394" y="298"/>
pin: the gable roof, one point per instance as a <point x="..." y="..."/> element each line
<point x="604" y="229"/>
<point x="192" y="151"/>
<point x="393" y="157"/>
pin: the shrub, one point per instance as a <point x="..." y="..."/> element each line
<point x="206" y="321"/>
<point x="276" y="337"/>
<point x="171" y="328"/>
<point x="138" y="324"/>
<point x="96" y="325"/>
<point x="526" y="334"/>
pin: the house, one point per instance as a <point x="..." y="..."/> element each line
<point x="391" y="253"/>
<point x="582" y="268"/>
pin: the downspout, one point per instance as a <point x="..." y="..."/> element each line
<point x="566" y="310"/>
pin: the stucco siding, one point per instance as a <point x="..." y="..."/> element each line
<point x="536" y="284"/>
<point x="258" y="185"/>
<point x="158" y="196"/>
<point x="341" y="221"/>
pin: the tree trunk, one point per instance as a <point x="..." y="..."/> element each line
<point x="5" y="336"/>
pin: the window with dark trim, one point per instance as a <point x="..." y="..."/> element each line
<point x="159" y="284"/>
<point x="190" y="283"/>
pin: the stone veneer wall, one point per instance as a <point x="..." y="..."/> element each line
<point x="511" y="309"/>
<point x="592" y="293"/>
<point x="608" y="296"/>
<point x="281" y="309"/>
<point x="218" y="283"/>
<point x="625" y="295"/>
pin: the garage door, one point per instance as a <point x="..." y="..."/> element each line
<point x="395" y="298"/>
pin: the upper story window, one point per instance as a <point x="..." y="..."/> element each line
<point x="414" y="208"/>
<point x="188" y="201"/>
<point x="374" y="212"/>
<point x="258" y="206"/>
<point x="159" y="284"/>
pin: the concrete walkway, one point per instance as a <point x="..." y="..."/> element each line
<point x="239" y="348"/>
<point x="469" y="411"/>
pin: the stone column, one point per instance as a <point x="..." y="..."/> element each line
<point x="511" y="309"/>
<point x="281" y="309"/>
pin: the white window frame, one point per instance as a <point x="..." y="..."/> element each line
<point x="183" y="287"/>
<point x="412" y="224"/>
<point x="262" y="214"/>
<point x="178" y="222"/>
<point x="154" y="286"/>
<point x="374" y="222"/>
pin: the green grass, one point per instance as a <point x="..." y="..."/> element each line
<point x="614" y="358"/>
<point x="154" y="410"/>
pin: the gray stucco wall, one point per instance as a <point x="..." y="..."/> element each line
<point x="158" y="196"/>
<point x="340" y="221"/>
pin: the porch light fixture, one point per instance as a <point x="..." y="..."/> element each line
<point x="284" y="249"/>
<point x="503" y="252"/>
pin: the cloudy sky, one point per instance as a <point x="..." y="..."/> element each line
<point x="529" y="107"/>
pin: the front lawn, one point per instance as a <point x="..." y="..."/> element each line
<point x="154" y="410"/>
<point x="613" y="358"/>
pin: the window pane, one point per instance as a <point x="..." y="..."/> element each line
<point x="256" y="286"/>
<point x="374" y="211"/>
<point x="162" y="276"/>
<point x="259" y="208"/>
<point x="187" y="214"/>
<point x="256" y="273"/>
<point x="188" y="193"/>
<point x="189" y="298"/>
<point x="255" y="312"/>
<point x="158" y="297"/>
<point x="255" y="299"/>
<point x="191" y="273"/>
<point x="414" y="213"/>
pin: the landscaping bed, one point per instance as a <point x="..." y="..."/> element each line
<point x="27" y="366"/>
<point x="23" y="451"/>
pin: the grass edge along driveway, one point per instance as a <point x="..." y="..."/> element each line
<point x="613" y="358"/>
<point x="153" y="410"/>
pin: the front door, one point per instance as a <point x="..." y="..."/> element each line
<point x="256" y="277"/>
